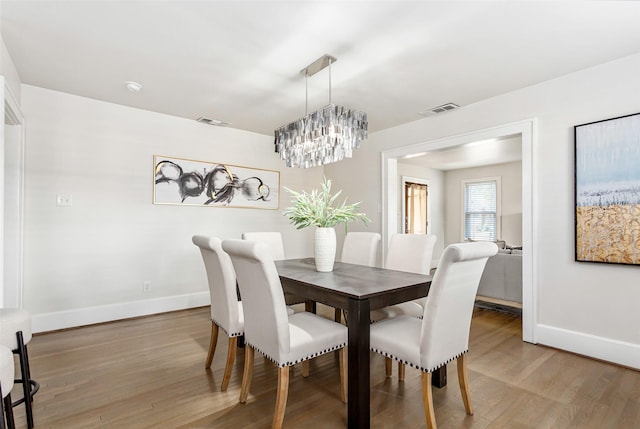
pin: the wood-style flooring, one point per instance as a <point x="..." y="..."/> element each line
<point x="149" y="373"/>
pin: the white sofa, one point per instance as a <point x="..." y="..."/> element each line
<point x="502" y="277"/>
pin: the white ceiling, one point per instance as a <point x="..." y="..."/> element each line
<point x="239" y="61"/>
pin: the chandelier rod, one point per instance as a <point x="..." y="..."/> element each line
<point x="330" y="80"/>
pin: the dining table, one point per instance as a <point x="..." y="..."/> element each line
<point x="357" y="289"/>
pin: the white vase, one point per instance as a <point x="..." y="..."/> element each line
<point x="324" y="247"/>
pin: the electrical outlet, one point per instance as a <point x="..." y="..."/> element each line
<point x="64" y="200"/>
<point x="146" y="286"/>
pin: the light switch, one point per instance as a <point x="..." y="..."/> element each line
<point x="64" y="200"/>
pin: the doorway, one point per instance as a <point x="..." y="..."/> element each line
<point x="526" y="131"/>
<point x="415" y="206"/>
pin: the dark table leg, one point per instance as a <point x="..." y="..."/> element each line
<point x="358" y="413"/>
<point x="310" y="306"/>
<point x="439" y="377"/>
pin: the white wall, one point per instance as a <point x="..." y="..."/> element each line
<point x="87" y="263"/>
<point x="511" y="200"/>
<point x="8" y="70"/>
<point x="587" y="308"/>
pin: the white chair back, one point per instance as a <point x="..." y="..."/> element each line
<point x="273" y="240"/>
<point x="225" y="311"/>
<point x="449" y="306"/>
<point x="411" y="253"/>
<point x="360" y="248"/>
<point x="266" y="323"/>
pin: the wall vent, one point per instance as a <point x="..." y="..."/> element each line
<point x="439" y="109"/>
<point x="214" y="122"/>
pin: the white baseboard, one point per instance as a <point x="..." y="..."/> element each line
<point x="619" y="352"/>
<point x="106" y="313"/>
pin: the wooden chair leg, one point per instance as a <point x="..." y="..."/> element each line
<point x="401" y="368"/>
<point x="388" y="367"/>
<point x="337" y="315"/>
<point x="231" y="357"/>
<point x="281" y="398"/>
<point x="427" y="398"/>
<point x="247" y="373"/>
<point x="212" y="344"/>
<point x="305" y="368"/>
<point x="343" y="374"/>
<point x="463" y="381"/>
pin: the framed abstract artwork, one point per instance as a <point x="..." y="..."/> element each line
<point x="607" y="191"/>
<point x="201" y="183"/>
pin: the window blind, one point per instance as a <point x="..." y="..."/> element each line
<point x="480" y="211"/>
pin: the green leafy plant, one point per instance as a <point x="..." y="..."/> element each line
<point x="317" y="208"/>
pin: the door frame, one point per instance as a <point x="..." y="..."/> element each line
<point x="527" y="129"/>
<point x="12" y="294"/>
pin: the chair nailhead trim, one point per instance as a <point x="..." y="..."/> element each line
<point x="231" y="335"/>
<point x="419" y="367"/>
<point x="311" y="356"/>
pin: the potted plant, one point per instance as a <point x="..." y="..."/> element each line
<point x="317" y="209"/>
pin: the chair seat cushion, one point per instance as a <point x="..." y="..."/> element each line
<point x="398" y="338"/>
<point x="13" y="320"/>
<point x="6" y="370"/>
<point x="311" y="335"/>
<point x="410" y="308"/>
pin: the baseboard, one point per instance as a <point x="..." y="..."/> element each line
<point x="106" y="313"/>
<point x="606" y="349"/>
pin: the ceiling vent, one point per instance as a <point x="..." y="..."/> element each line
<point x="439" y="109"/>
<point x="214" y="122"/>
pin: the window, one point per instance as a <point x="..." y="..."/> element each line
<point x="481" y="209"/>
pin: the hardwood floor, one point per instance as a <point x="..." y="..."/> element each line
<point x="149" y="373"/>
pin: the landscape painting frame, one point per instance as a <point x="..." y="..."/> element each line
<point x="607" y="191"/>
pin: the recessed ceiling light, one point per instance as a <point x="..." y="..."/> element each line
<point x="414" y="155"/>
<point x="133" y="86"/>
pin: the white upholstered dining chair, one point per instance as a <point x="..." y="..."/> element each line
<point x="275" y="244"/>
<point x="359" y="248"/>
<point x="411" y="253"/>
<point x="282" y="338"/>
<point x="6" y="384"/>
<point x="443" y="333"/>
<point x="226" y="310"/>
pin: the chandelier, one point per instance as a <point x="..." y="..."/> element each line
<point x="324" y="136"/>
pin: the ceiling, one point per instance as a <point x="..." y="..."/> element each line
<point x="476" y="154"/>
<point x="240" y="61"/>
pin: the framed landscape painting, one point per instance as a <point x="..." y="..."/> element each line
<point x="607" y="191"/>
<point x="188" y="182"/>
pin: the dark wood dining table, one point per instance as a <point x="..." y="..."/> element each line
<point x="357" y="289"/>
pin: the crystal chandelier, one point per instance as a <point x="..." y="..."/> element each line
<point x="324" y="136"/>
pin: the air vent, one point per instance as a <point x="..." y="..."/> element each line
<point x="214" y="122"/>
<point x="439" y="109"/>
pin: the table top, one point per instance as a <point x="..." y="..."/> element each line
<point x="355" y="281"/>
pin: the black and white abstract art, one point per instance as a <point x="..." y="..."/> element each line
<point x="200" y="183"/>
